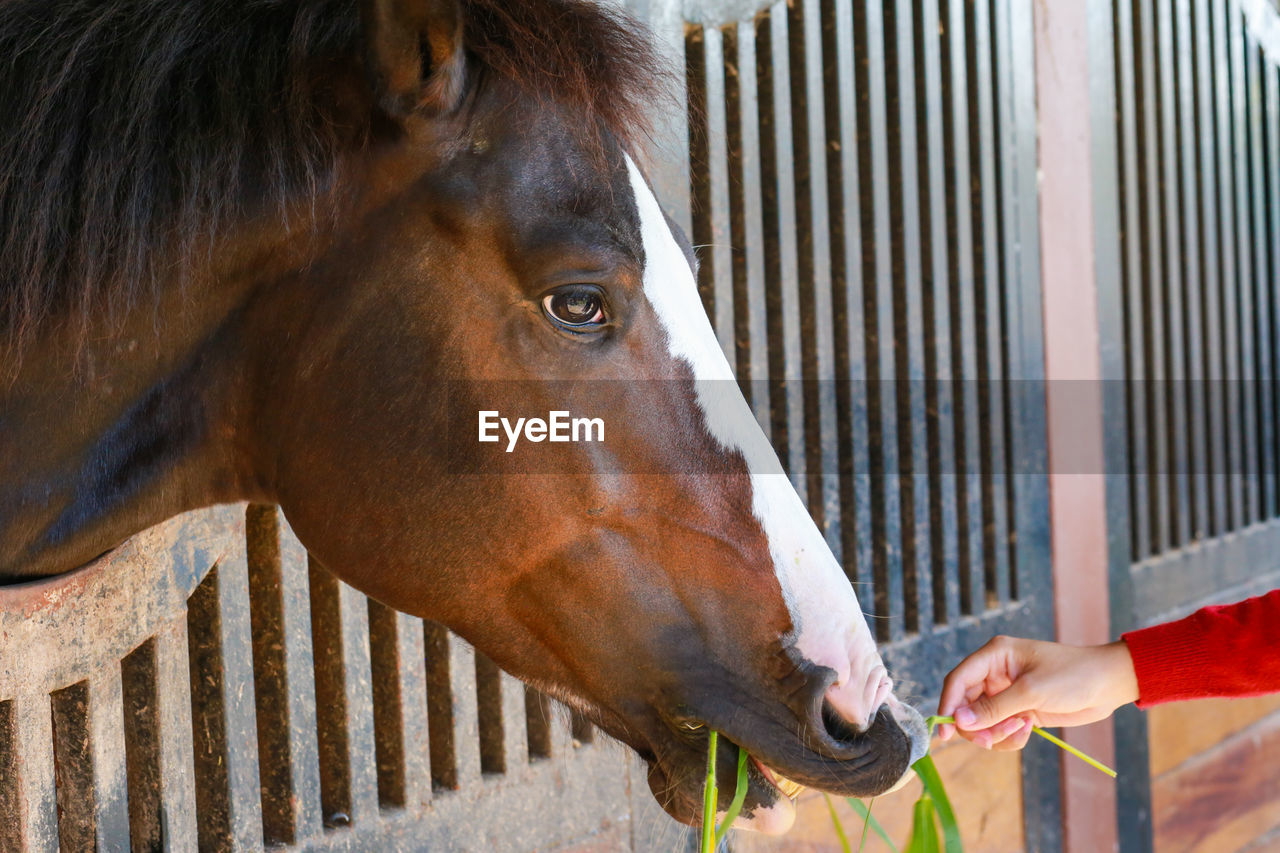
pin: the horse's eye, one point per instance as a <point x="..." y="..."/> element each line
<point x="577" y="306"/>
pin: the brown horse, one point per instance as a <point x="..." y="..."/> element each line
<point x="298" y="251"/>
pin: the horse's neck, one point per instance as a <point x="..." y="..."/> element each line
<point x="145" y="424"/>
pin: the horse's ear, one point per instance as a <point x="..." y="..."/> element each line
<point x="413" y="49"/>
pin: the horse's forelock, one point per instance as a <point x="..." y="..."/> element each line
<point x="592" y="59"/>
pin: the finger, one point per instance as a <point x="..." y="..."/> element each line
<point x="980" y="739"/>
<point x="970" y="672"/>
<point x="1017" y="740"/>
<point x="1002" y="731"/>
<point x="986" y="711"/>
<point x="945" y="731"/>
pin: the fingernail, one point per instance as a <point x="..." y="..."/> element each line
<point x="965" y="716"/>
<point x="983" y="740"/>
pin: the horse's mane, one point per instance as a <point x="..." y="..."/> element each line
<point x="133" y="130"/>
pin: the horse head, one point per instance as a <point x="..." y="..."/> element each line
<point x="488" y="247"/>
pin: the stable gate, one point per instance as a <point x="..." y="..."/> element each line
<point x="860" y="178"/>
<point x="1191" y="324"/>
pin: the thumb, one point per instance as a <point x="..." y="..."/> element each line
<point x="986" y="711"/>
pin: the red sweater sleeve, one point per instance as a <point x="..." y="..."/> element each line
<point x="1233" y="650"/>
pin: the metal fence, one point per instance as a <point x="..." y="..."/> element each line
<point x="205" y="687"/>
<point x="1192" y="309"/>
<point x="860" y="177"/>
<point x="862" y="190"/>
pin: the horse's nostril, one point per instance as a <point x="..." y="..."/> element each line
<point x="840" y="729"/>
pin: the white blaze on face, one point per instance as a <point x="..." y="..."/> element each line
<point x="829" y="626"/>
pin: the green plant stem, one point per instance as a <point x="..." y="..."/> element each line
<point x="935" y="790"/>
<point x="1077" y="753"/>
<point x="709" y="798"/>
<point x="835" y="821"/>
<point x="868" y="820"/>
<point x="739" y="796"/>
<point x="933" y="721"/>
<point x="924" y="834"/>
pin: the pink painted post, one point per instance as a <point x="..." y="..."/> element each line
<point x="1073" y="367"/>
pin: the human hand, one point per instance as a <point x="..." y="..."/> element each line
<point x="1009" y="685"/>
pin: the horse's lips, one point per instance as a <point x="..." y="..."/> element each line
<point x="787" y="787"/>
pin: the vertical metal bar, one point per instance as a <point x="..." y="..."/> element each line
<point x="967" y="149"/>
<point x="176" y="754"/>
<point x="413" y="712"/>
<point x="142" y="746"/>
<point x="304" y="752"/>
<point x="998" y="252"/>
<point x="221" y="672"/>
<point x="290" y="808"/>
<point x="236" y="640"/>
<point x="822" y="432"/>
<point x="756" y="308"/>
<point x="10" y="800"/>
<point x="1229" y="280"/>
<point x="1244" y="259"/>
<point x="1148" y="505"/>
<point x="1171" y="285"/>
<point x="887" y="527"/>
<point x="943" y="478"/>
<point x="1120" y="272"/>
<point x="721" y="254"/>
<point x="34" y="764"/>
<point x="1193" y="395"/>
<point x="1271" y="98"/>
<point x="788" y="283"/>
<point x="1028" y="433"/>
<point x="1163" y="532"/>
<point x="514" y="723"/>
<point x="73" y="765"/>
<point x="107" y="750"/>
<point x="1213" y="371"/>
<point x="853" y="333"/>
<point x="1261" y="288"/>
<point x="1028" y="493"/>
<point x="361" y="744"/>
<point x="387" y="665"/>
<point x="909" y="320"/>
<point x="492" y="731"/>
<point x="1136" y="381"/>
<point x="466" y="714"/>
<point x="668" y="167"/>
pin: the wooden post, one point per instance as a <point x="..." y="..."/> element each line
<point x="1072" y="57"/>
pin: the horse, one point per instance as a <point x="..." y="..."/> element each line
<point x="296" y="251"/>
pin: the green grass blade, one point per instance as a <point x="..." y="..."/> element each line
<point x="933" y="721"/>
<point x="868" y="820"/>
<point x="835" y="821"/>
<point x="739" y="795"/>
<point x="933" y="787"/>
<point x="1087" y="759"/>
<point x="1077" y="753"/>
<point x="709" y="797"/>
<point x="924" y="830"/>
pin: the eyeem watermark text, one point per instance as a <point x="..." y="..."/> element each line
<point x="558" y="426"/>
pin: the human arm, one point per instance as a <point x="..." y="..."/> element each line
<point x="1004" y="688"/>
<point x="1231" y="650"/>
<point x="1010" y="684"/>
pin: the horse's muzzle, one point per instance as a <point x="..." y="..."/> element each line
<point x="827" y="754"/>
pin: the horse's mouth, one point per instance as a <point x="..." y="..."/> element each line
<point x="777" y="773"/>
<point x="789" y="788"/>
<point x="769" y="805"/>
